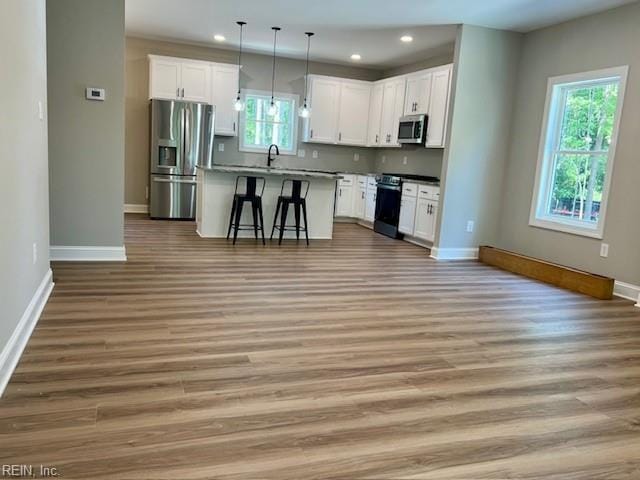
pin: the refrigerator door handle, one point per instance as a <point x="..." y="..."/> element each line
<point x="174" y="180"/>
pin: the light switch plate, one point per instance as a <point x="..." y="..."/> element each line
<point x="221" y="147"/>
<point x="301" y="153"/>
<point x="356" y="157"/>
<point x="470" y="226"/>
<point x="404" y="160"/>
<point x="40" y="111"/>
<point x="315" y="154"/>
<point x="604" y="250"/>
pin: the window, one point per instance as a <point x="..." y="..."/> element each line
<point x="258" y="130"/>
<point x="577" y="150"/>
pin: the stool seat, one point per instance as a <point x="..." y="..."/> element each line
<point x="252" y="196"/>
<point x="299" y="203"/>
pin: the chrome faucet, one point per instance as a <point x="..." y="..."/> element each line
<point x="270" y="159"/>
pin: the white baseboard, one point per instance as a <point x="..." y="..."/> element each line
<point x="454" y="253"/>
<point x="87" y="254"/>
<point x="628" y="291"/>
<point x="136" y="208"/>
<point x="12" y="351"/>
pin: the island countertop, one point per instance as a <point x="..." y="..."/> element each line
<point x="271" y="171"/>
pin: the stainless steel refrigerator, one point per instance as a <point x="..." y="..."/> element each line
<point x="181" y="139"/>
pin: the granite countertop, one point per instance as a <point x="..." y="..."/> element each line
<point x="422" y="182"/>
<point x="271" y="171"/>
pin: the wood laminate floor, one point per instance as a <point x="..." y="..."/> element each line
<point x="356" y="358"/>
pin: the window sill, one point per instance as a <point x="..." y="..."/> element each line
<point x="549" y="224"/>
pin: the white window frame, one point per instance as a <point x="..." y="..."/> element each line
<point x="548" y="137"/>
<point x="294" y="113"/>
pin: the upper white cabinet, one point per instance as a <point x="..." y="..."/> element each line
<point x="223" y="93"/>
<point x="197" y="81"/>
<point x="375" y="115"/>
<point x="439" y="107"/>
<point x="179" y="79"/>
<point x="392" y="110"/>
<point x="352" y="125"/>
<point x="324" y="97"/>
<point x="418" y="93"/>
<point x="337" y="107"/>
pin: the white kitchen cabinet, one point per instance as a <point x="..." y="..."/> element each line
<point x="360" y="197"/>
<point x="370" y="199"/>
<point x="426" y="216"/>
<point x="418" y="93"/>
<point x="406" y="224"/>
<point x="439" y="107"/>
<point x="427" y="212"/>
<point x="324" y="98"/>
<point x="344" y="196"/>
<point x="164" y="78"/>
<point x="224" y="90"/>
<point x="392" y="110"/>
<point x="179" y="79"/>
<point x="352" y="113"/>
<point x="375" y="115"/>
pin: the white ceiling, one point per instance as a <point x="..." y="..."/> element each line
<point x="371" y="28"/>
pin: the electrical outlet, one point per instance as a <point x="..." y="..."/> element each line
<point x="146" y="192"/>
<point x="301" y="153"/>
<point x="404" y="160"/>
<point x="35" y="253"/>
<point x="356" y="157"/>
<point x="221" y="147"/>
<point x="604" y="250"/>
<point x="470" y="226"/>
<point x="384" y="159"/>
<point x="315" y="154"/>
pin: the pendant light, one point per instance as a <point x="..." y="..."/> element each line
<point x="304" y="111"/>
<point x="272" y="110"/>
<point x="238" y="105"/>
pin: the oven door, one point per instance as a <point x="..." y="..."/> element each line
<point x="387" y="210"/>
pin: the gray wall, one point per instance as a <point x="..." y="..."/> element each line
<point x="608" y="39"/>
<point x="24" y="196"/>
<point x="256" y="74"/>
<point x="86" y="138"/>
<point x="419" y="160"/>
<point x="474" y="162"/>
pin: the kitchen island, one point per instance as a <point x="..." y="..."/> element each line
<point x="216" y="187"/>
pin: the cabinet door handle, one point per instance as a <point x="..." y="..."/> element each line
<point x="311" y="133"/>
<point x="362" y="194"/>
<point x="234" y="126"/>
<point x="340" y="136"/>
<point x="183" y="93"/>
<point x="376" y="138"/>
<point x="178" y="92"/>
<point x="340" y="192"/>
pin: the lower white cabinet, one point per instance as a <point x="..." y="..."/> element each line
<point x="370" y="199"/>
<point x="344" y="196"/>
<point x="360" y="197"/>
<point x="426" y="216"/>
<point x="406" y="224"/>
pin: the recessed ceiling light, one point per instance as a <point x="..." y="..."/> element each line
<point x="356" y="56"/>
<point x="219" y="38"/>
<point x="406" y="38"/>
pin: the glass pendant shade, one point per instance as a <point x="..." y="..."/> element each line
<point x="304" y="111"/>
<point x="272" y="110"/>
<point x="238" y="104"/>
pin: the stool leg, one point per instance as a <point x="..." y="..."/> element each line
<point x="296" y="211"/>
<point x="283" y="220"/>
<point x="237" y="225"/>
<point x="261" y="219"/>
<point x="306" y="225"/>
<point x="233" y="211"/>
<point x="275" y="217"/>
<point x="254" y="212"/>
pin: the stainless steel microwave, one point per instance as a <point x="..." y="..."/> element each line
<point x="412" y="129"/>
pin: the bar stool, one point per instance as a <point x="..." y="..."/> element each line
<point x="250" y="195"/>
<point x="298" y="201"/>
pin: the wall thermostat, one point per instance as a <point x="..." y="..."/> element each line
<point x="95" y="94"/>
